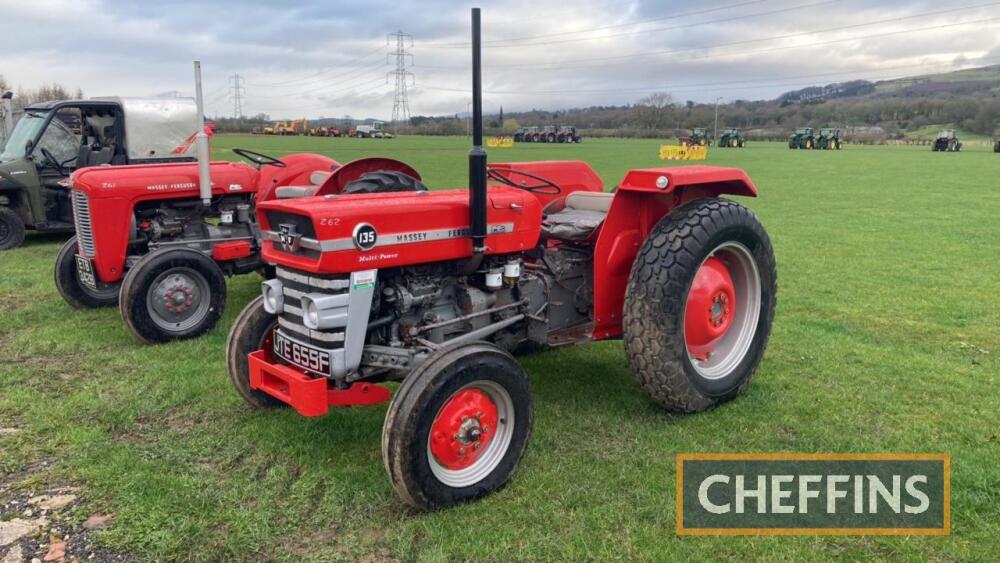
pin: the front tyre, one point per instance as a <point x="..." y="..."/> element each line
<point x="252" y="331"/>
<point x="68" y="282"/>
<point x="699" y="305"/>
<point x="457" y="427"/>
<point x="11" y="229"/>
<point x="171" y="295"/>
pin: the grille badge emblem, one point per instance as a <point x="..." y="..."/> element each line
<point x="290" y="237"/>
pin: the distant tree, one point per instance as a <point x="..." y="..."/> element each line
<point x="44" y="93"/>
<point x="653" y="111"/>
<point x="510" y="124"/>
<point x="3" y="84"/>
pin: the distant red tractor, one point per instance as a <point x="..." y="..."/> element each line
<point x="568" y="134"/>
<point x="436" y="289"/>
<point x="147" y="241"/>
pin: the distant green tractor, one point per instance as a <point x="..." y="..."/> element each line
<point x="947" y="141"/>
<point x="732" y="138"/>
<point x="829" y="138"/>
<point x="699" y="137"/>
<point x="803" y="138"/>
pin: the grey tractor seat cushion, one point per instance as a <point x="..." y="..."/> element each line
<point x="294" y="192"/>
<point x="318" y="177"/>
<point x="581" y="213"/>
<point x="316" y="180"/>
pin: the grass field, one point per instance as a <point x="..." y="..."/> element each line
<point x="885" y="340"/>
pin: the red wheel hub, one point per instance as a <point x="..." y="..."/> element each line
<point x="463" y="428"/>
<point x="710" y="307"/>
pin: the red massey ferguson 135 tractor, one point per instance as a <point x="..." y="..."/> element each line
<point x="436" y="289"/>
<point x="147" y="240"/>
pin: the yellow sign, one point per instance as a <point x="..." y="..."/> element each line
<point x="500" y="142"/>
<point x="671" y="152"/>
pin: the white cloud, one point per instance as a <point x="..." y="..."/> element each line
<point x="320" y="57"/>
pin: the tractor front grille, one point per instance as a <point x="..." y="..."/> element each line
<point x="84" y="230"/>
<point x="295" y="284"/>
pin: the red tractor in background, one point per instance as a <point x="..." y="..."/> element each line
<point x="147" y="242"/>
<point x="378" y="279"/>
<point x="568" y="134"/>
<point x="159" y="239"/>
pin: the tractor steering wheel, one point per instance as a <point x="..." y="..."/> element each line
<point x="544" y="185"/>
<point x="260" y="159"/>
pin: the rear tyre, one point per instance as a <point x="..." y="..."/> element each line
<point x="381" y="182"/>
<point x="252" y="331"/>
<point x="457" y="427"/>
<point x="69" y="286"/>
<point x="11" y="229"/>
<point x="171" y="295"/>
<point x="699" y="305"/>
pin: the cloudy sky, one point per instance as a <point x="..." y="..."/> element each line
<point x="329" y="57"/>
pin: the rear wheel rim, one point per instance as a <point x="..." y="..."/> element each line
<point x="722" y="310"/>
<point x="178" y="299"/>
<point x="471" y="434"/>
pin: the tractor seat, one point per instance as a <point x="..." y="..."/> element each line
<point x="577" y="216"/>
<point x="316" y="180"/>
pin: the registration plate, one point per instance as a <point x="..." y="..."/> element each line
<point x="85" y="272"/>
<point x="301" y="355"/>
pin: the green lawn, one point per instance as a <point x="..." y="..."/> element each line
<point x="885" y="340"/>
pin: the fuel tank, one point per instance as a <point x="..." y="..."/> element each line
<point x="346" y="233"/>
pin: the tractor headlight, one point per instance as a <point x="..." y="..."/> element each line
<point x="322" y="312"/>
<point x="310" y="314"/>
<point x="274" y="296"/>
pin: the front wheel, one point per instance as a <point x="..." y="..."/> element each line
<point x="172" y="294"/>
<point x="457" y="427"/>
<point x="72" y="290"/>
<point x="699" y="305"/>
<point x="252" y="331"/>
<point x="11" y="229"/>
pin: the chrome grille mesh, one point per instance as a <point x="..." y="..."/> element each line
<point x="295" y="284"/>
<point x="81" y="217"/>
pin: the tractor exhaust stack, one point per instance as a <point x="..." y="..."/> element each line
<point x="201" y="142"/>
<point x="477" y="156"/>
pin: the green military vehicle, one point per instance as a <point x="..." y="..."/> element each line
<point x="52" y="139"/>
<point x="829" y="139"/>
<point x="802" y="138"/>
<point x="732" y="138"/>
